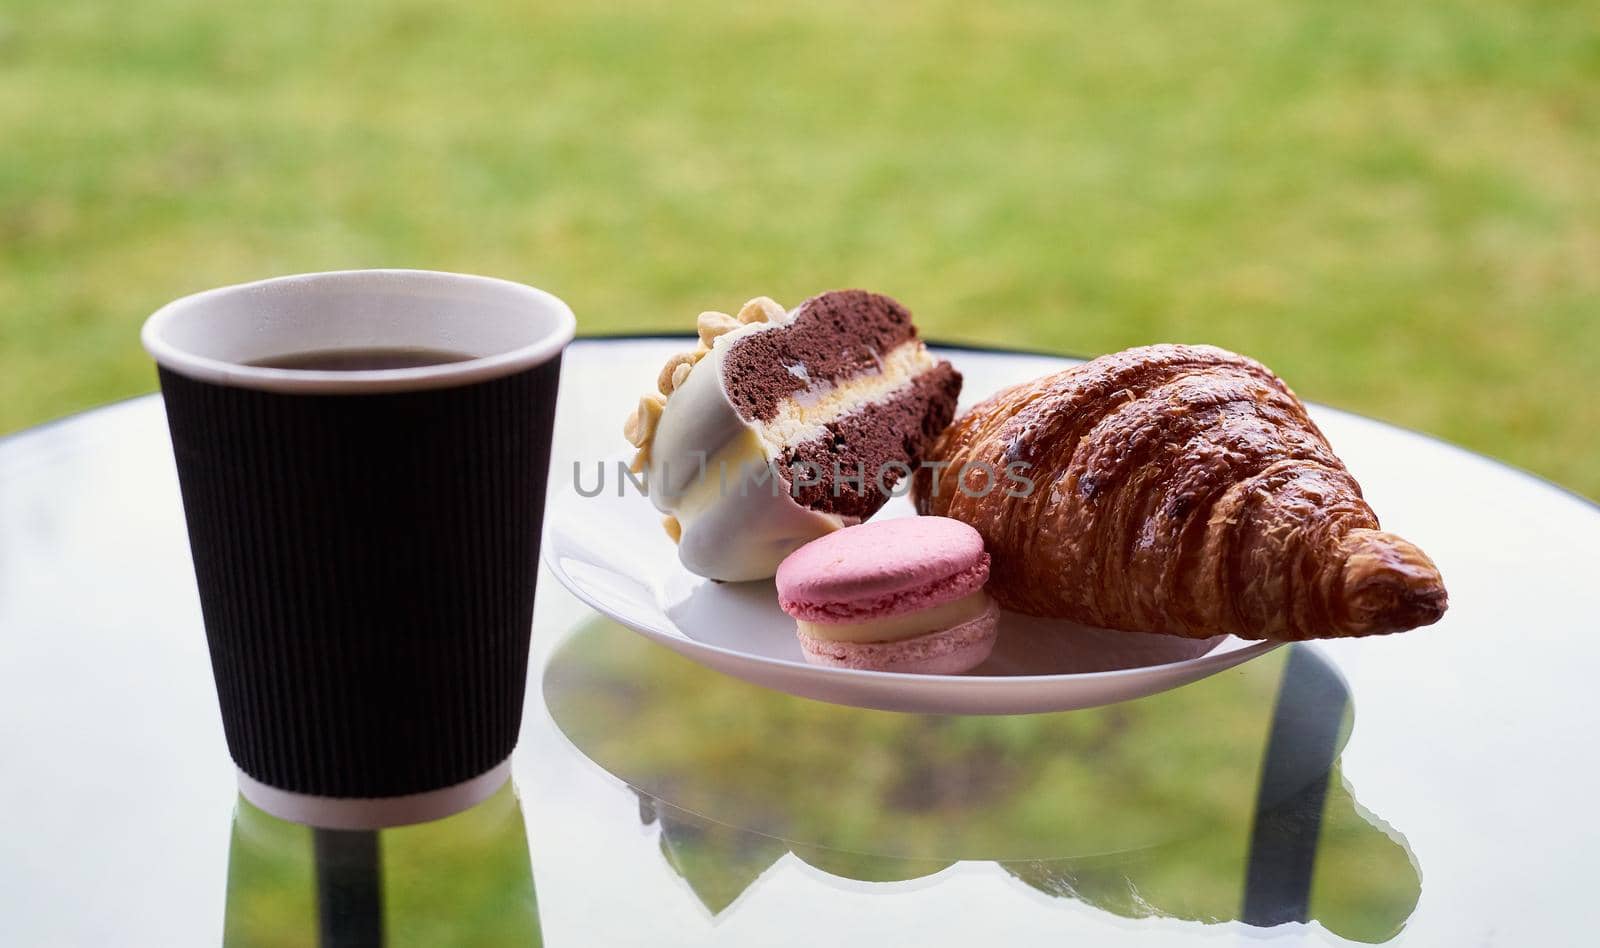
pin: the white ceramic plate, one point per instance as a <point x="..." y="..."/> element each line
<point x="611" y="552"/>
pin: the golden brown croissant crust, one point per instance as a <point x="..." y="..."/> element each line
<point x="1177" y="489"/>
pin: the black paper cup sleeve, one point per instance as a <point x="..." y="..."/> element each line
<point x="366" y="568"/>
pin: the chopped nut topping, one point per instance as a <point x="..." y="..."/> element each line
<point x="664" y="380"/>
<point x="710" y="325"/>
<point x="762" y="309"/>
<point x="641" y="425"/>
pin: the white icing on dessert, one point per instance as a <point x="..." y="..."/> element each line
<point x="710" y="469"/>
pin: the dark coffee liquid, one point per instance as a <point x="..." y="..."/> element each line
<point x="360" y="360"/>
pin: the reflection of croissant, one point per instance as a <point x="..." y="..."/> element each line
<point x="1178" y="489"/>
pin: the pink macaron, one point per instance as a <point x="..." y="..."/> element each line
<point x="903" y="595"/>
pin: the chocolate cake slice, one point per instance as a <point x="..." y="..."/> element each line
<point x="784" y="426"/>
<point x="846" y="395"/>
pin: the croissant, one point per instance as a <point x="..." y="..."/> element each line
<point x="1176" y="489"/>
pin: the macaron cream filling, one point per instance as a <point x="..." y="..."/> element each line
<point x="898" y="595"/>
<point x="895" y="628"/>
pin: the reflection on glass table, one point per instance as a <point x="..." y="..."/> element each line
<point x="1473" y="740"/>
<point x="465" y="880"/>
<point x="1219" y="801"/>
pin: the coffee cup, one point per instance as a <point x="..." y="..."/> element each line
<point x="363" y="457"/>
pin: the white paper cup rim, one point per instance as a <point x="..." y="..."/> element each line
<point x="553" y="328"/>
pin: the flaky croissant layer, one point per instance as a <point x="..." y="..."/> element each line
<point x="1177" y="489"/>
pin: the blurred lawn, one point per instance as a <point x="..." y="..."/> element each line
<point x="1395" y="206"/>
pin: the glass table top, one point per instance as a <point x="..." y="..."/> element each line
<point x="1426" y="789"/>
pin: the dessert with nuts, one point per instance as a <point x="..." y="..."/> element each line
<point x="782" y="426"/>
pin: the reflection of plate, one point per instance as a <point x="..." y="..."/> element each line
<point x="1132" y="809"/>
<point x="610" y="551"/>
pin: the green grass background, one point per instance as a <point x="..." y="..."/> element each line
<point x="1395" y="206"/>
